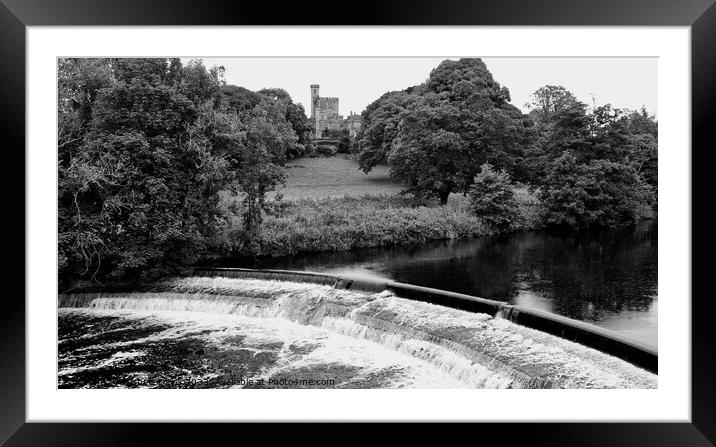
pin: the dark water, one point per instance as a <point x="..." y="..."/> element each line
<point x="607" y="278"/>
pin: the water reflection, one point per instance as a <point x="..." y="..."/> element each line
<point x="608" y="278"/>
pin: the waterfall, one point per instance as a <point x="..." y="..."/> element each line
<point x="477" y="349"/>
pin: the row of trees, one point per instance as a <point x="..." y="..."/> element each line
<point x="589" y="167"/>
<point x="145" y="148"/>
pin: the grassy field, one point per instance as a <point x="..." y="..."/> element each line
<point x="337" y="176"/>
<point x="328" y="204"/>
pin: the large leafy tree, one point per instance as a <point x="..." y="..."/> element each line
<point x="593" y="167"/>
<point x="145" y="148"/>
<point x="435" y="136"/>
<point x="139" y="196"/>
<point x="428" y="155"/>
<point x="295" y="115"/>
<point x="264" y="139"/>
<point x="379" y="127"/>
<point x="78" y="82"/>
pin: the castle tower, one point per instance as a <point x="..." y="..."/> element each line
<point x="314" y="99"/>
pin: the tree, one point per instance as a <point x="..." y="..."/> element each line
<point x="239" y="99"/>
<point x="492" y="198"/>
<point x="78" y="82"/>
<point x="199" y="84"/>
<point x="607" y="155"/>
<point x="427" y="158"/>
<point x="139" y="196"/>
<point x="550" y="100"/>
<point x="460" y="119"/>
<point x="379" y="127"/>
<point x="643" y="153"/>
<point x="296" y="116"/>
<point x="146" y="147"/>
<point x="600" y="193"/>
<point x="602" y="134"/>
<point x="643" y="157"/>
<point x="257" y="157"/>
<point x="641" y="122"/>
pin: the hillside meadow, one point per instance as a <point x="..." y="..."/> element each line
<point x="328" y="204"/>
<point x="337" y="176"/>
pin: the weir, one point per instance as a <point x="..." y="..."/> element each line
<point x="475" y="348"/>
<point x="604" y="340"/>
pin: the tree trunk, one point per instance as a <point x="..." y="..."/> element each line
<point x="443" y="194"/>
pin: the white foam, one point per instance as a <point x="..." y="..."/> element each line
<point x="476" y="349"/>
<point x="328" y="347"/>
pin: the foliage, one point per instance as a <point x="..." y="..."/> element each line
<point x="344" y="223"/>
<point x="296" y="116"/>
<point x="199" y="84"/>
<point x="598" y="193"/>
<point x="138" y="196"/>
<point x="643" y="149"/>
<point x="161" y="164"/>
<point x="78" y="82"/>
<point x="626" y="140"/>
<point x="343" y="137"/>
<point x="436" y="137"/>
<point x="462" y="121"/>
<point x="262" y="140"/>
<point x="492" y="198"/>
<point x="379" y="127"/>
<point x="238" y="99"/>
<point x="326" y="150"/>
<point x="145" y="146"/>
<point x="344" y="144"/>
<point x="549" y="101"/>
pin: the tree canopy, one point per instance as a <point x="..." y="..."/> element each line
<point x="592" y="168"/>
<point x="145" y="146"/>
<point x="435" y="136"/>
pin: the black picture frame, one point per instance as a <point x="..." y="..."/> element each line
<point x="16" y="15"/>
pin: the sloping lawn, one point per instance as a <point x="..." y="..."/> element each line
<point x="328" y="204"/>
<point x="337" y="176"/>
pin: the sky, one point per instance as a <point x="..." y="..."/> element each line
<point x="357" y="81"/>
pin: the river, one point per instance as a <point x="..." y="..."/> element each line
<point x="607" y="278"/>
<point x="200" y="332"/>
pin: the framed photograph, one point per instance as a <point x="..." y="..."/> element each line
<point x="442" y="212"/>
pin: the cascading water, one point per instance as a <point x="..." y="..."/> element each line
<point x="197" y="331"/>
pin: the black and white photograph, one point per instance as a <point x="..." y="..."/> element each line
<point x="357" y="222"/>
<point x="238" y="212"/>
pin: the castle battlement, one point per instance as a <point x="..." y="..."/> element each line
<point x="326" y="117"/>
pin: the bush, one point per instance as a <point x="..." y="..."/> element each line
<point x="344" y="223"/>
<point x="492" y="198"/>
<point x="326" y="150"/>
<point x="344" y="145"/>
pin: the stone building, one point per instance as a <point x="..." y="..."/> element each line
<point x="326" y="116"/>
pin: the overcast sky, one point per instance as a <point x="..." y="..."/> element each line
<point x="623" y="82"/>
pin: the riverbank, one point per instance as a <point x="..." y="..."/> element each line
<point x="369" y="221"/>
